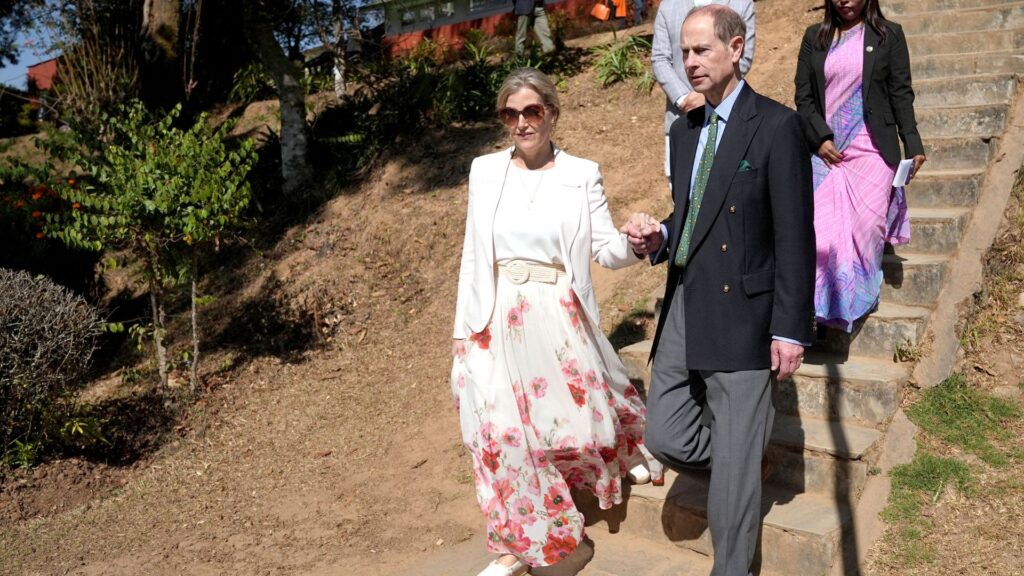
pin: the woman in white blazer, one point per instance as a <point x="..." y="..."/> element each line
<point x="545" y="404"/>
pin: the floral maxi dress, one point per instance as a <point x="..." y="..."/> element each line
<point x="545" y="404"/>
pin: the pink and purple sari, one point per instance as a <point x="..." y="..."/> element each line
<point x="856" y="208"/>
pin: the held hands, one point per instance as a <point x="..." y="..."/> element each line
<point x="828" y="153"/>
<point x="786" y="358"/>
<point x="458" y="348"/>
<point x="643" y="233"/>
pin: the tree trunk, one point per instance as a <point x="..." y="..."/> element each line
<point x="194" y="374"/>
<point x="161" y="44"/>
<point x="295" y="170"/>
<point x="157" y="305"/>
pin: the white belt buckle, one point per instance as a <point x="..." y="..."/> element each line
<point x="517" y="272"/>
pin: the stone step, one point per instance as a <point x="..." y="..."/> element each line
<point x="808" y="455"/>
<point x="966" y="64"/>
<point x="951" y="121"/>
<point x="976" y="90"/>
<point x="835" y="386"/>
<point x="992" y="17"/>
<point x="945" y="188"/>
<point x="937" y="230"/>
<point x="801" y="534"/>
<point x="905" y="7"/>
<point x="945" y="154"/>
<point x="913" y="279"/>
<point x="879" y="334"/>
<point x="958" y="43"/>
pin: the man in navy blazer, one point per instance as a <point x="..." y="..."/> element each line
<point x="738" y="305"/>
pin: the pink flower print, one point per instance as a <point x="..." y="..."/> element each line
<point x="630" y="392"/>
<point x="502" y="489"/>
<point x="538" y="387"/>
<point x="558" y="548"/>
<point x="608" y="454"/>
<point x="511" y="437"/>
<point x="596" y="415"/>
<point x="579" y="395"/>
<point x="575" y="478"/>
<point x="515" y="318"/>
<point x="521" y="511"/>
<point x="495" y="511"/>
<point x="513" y="537"/>
<point x="482" y="339"/>
<point x="590" y="377"/>
<point x="533" y="484"/>
<point x="571" y="369"/>
<point x="492" y="460"/>
<point x="522" y="402"/>
<point x="571" y="304"/>
<point x="539" y="459"/>
<point x="556" y="501"/>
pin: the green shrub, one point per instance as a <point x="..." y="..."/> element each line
<point x="47" y="336"/>
<point x="620" y="61"/>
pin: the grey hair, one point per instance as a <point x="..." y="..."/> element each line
<point x="534" y="80"/>
<point x="728" y="24"/>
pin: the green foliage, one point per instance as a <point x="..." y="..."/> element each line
<point x="150" y="187"/>
<point x="913" y="486"/>
<point x="622" y="60"/>
<point x="47" y="337"/>
<point x="251" y="84"/>
<point x="964" y="416"/>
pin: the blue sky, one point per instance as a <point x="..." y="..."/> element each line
<point x="31" y="44"/>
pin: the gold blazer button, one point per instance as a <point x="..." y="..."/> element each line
<point x="732" y="209"/>
<point x="725" y="247"/>
<point x="725" y="288"/>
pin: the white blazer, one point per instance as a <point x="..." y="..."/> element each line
<point x="587" y="232"/>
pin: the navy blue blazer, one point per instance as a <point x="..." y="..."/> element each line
<point x="750" y="271"/>
<point x="888" y="92"/>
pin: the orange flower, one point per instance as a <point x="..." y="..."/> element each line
<point x="36" y="213"/>
<point x="37" y="195"/>
<point x="71" y="181"/>
<point x="40" y="235"/>
<point x="19" y="203"/>
<point x="76" y="206"/>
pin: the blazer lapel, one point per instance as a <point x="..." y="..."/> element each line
<point x="870" y="48"/>
<point x="739" y="131"/>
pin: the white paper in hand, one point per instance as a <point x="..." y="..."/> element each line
<point x="903" y="173"/>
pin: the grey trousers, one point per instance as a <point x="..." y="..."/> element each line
<point x="539" y="20"/>
<point x="716" y="420"/>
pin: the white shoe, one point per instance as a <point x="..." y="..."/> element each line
<point x="639" y="474"/>
<point x="496" y="568"/>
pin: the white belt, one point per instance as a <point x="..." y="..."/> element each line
<point x="521" y="271"/>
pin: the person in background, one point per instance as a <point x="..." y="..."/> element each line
<point x="667" y="59"/>
<point x="639" y="11"/>
<point x="544" y="402"/>
<point x="854" y="93"/>
<point x="531" y="14"/>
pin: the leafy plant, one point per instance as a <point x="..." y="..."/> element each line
<point x="157" y="192"/>
<point x="251" y="84"/>
<point x="622" y="60"/>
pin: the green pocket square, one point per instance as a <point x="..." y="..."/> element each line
<point x="745" y="166"/>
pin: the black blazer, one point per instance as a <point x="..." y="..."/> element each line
<point x="888" y="93"/>
<point x="750" y="272"/>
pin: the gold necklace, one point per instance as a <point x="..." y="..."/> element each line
<point x="531" y="195"/>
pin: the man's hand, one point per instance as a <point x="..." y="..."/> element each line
<point x="786" y="358"/>
<point x="827" y="151"/>
<point x="643" y="233"/>
<point x="691" y="101"/>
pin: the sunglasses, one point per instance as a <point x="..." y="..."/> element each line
<point x="534" y="114"/>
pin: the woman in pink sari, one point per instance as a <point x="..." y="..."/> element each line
<point x="854" y="92"/>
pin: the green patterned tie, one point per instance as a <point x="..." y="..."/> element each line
<point x="707" y="158"/>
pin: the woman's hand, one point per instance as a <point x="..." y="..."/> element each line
<point x="458" y="348"/>
<point x="828" y="153"/>
<point x="918" y="160"/>
<point x="643" y="233"/>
